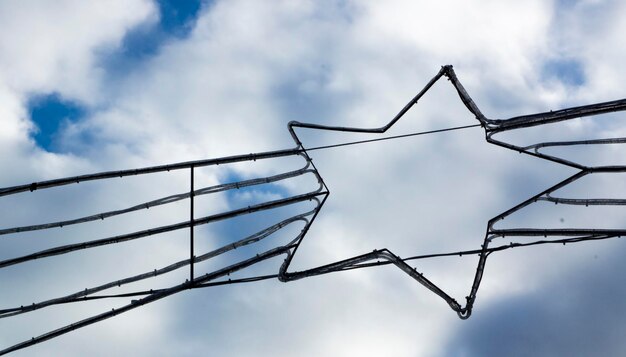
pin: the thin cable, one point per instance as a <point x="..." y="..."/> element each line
<point x="324" y="272"/>
<point x="393" y="137"/>
<point x="6" y="191"/>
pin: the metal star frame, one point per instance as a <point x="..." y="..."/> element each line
<point x="316" y="197"/>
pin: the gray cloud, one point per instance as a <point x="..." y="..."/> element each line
<point x="575" y="313"/>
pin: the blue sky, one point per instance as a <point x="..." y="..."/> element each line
<point x="176" y="20"/>
<point x="569" y="72"/>
<point x="137" y="83"/>
<point x="49" y="111"/>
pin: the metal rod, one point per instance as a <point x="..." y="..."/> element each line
<point x="192" y="226"/>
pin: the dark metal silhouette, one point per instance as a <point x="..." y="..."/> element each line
<point x="317" y="196"/>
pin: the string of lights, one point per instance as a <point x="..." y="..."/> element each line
<point x="315" y="197"/>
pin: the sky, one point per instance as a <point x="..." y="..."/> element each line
<point x="94" y="86"/>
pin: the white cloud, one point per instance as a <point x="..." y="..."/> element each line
<point x="231" y="86"/>
<point x="53" y="47"/>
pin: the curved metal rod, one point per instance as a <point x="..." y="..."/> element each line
<point x="526" y="121"/>
<point x="256" y="237"/>
<point x="585" y="201"/>
<point x="385" y="254"/>
<point x="6" y="191"/>
<point x="538" y="146"/>
<point x="379" y="130"/>
<point x="155" y="296"/>
<point x="162" y="229"/>
<point x="160" y="201"/>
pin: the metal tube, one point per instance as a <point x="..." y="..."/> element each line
<point x="191" y="226"/>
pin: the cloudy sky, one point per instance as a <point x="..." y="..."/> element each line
<point x="93" y="86"/>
